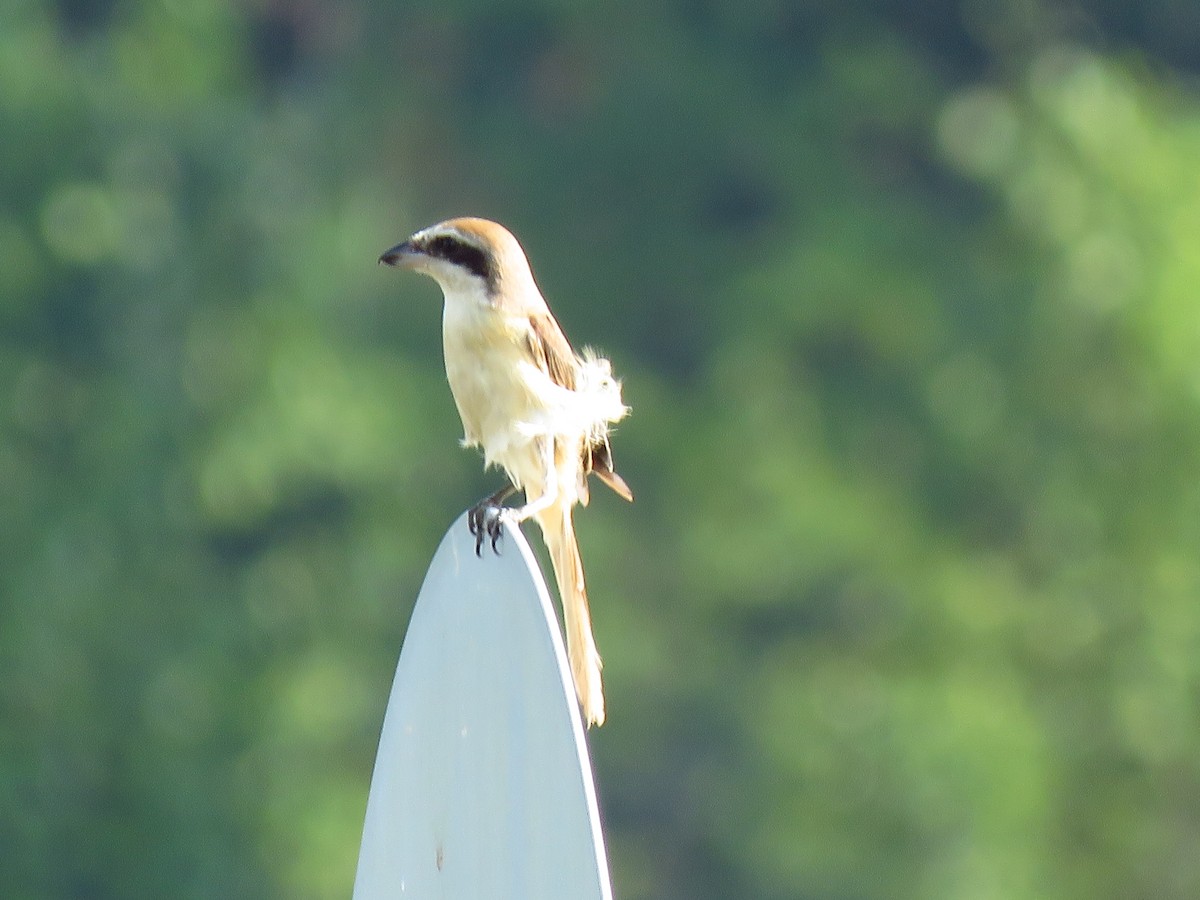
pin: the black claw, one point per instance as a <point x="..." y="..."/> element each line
<point x="495" y="529"/>
<point x="484" y="518"/>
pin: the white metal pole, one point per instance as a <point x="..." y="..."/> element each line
<point x="483" y="787"/>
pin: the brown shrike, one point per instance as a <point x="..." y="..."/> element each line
<point x="536" y="408"/>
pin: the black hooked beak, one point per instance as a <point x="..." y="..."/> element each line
<point x="402" y="255"/>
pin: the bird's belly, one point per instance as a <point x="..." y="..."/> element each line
<point x="487" y="377"/>
<point x="490" y="402"/>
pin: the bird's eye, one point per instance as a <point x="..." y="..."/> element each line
<point x="459" y="252"/>
<point x="441" y="246"/>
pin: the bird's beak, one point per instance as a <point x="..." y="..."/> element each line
<point x="402" y="256"/>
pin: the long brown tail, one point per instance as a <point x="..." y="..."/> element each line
<point x="558" y="530"/>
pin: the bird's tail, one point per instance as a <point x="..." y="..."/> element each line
<point x="558" y="530"/>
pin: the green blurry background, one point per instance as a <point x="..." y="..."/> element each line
<point x="904" y="300"/>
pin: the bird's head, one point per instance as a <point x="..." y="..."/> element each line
<point x="466" y="256"/>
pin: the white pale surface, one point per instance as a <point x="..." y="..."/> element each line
<point x="482" y="785"/>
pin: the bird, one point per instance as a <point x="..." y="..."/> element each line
<point x="537" y="409"/>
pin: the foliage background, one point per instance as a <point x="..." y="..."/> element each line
<point x="904" y="299"/>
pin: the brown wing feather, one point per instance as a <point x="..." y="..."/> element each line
<point x="598" y="460"/>
<point x="552" y="353"/>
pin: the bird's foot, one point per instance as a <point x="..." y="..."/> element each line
<point x="486" y="520"/>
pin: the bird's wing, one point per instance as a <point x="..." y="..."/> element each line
<point x="551" y="351"/>
<point x="598" y="459"/>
